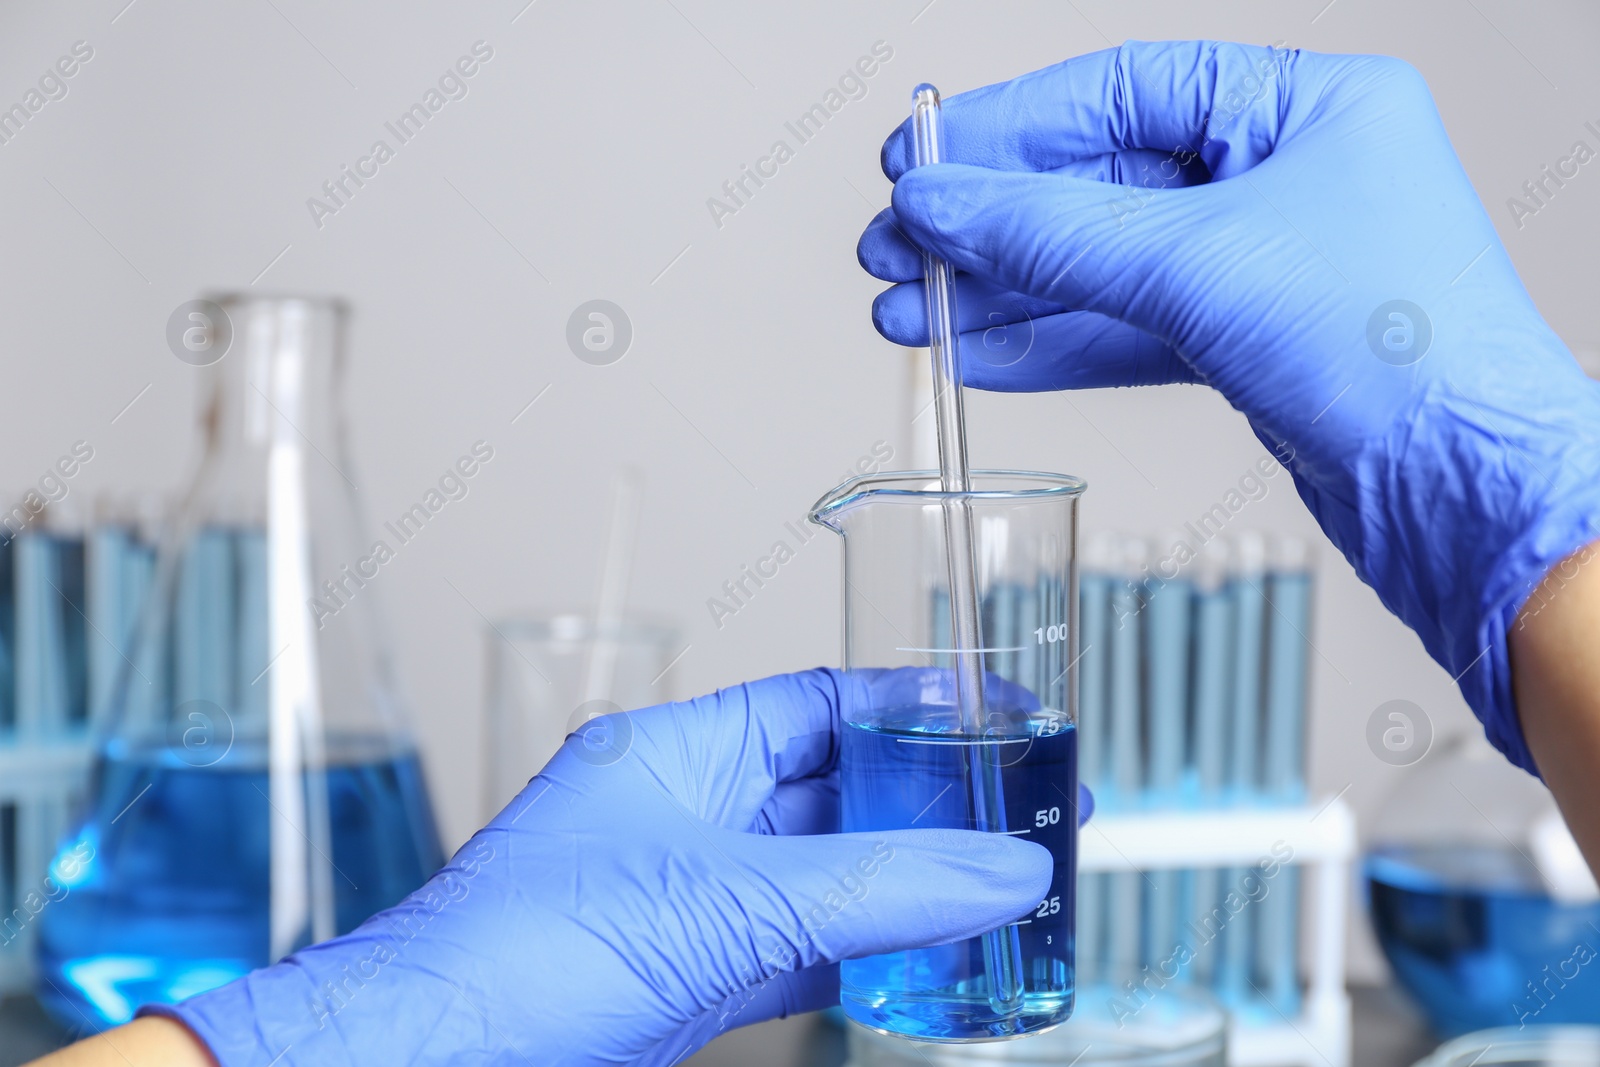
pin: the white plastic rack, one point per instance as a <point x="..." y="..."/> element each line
<point x="1323" y="839"/>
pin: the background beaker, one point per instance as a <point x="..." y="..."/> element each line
<point x="255" y="786"/>
<point x="539" y="690"/>
<point x="1174" y="1027"/>
<point x="907" y="762"/>
<point x="1479" y="897"/>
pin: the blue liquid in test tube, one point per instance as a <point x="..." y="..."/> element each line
<point x="205" y="625"/>
<point x="1211" y="693"/>
<point x="1094" y="600"/>
<point x="1247" y="591"/>
<point x="8" y="631"/>
<point x="1166" y="635"/>
<point x="1283" y="763"/>
<point x="1124" y="758"/>
<point x="52" y="652"/>
<point x="121" y="566"/>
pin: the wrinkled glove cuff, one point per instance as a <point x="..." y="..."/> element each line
<point x="1480" y="524"/>
<point x="1563" y="534"/>
<point x="259" y="1020"/>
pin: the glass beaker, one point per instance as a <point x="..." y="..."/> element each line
<point x="539" y="688"/>
<point x="907" y="762"/>
<point x="255" y="787"/>
<point x="1519" y="1046"/>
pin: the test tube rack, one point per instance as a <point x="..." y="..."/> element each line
<point x="68" y="603"/>
<point x="1206" y="861"/>
<point x="1323" y="839"/>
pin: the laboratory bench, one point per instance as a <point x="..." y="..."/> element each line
<point x="1388" y="1033"/>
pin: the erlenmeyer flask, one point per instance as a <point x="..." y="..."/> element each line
<point x="255" y="787"/>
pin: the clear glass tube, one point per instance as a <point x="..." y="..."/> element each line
<point x="910" y="759"/>
<point x="1002" y="949"/>
<point x="256" y="787"/>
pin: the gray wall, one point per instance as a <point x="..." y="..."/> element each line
<point x="578" y="167"/>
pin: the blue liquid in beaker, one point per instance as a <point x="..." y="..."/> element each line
<point x="174" y="900"/>
<point x="894" y="778"/>
<point x="1471" y="934"/>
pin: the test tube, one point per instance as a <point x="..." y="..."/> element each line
<point x="1247" y="591"/>
<point x="1094" y="597"/>
<point x="113" y="619"/>
<point x="8" y="631"/>
<point x="1124" y="755"/>
<point x="1283" y="765"/>
<point x="52" y="650"/>
<point x="1166" y="648"/>
<point x="1166" y="637"/>
<point x="206" y="612"/>
<point x="252" y="647"/>
<point x="939" y="625"/>
<point x="1031" y="664"/>
<point x="1094" y="600"/>
<point x="121" y="570"/>
<point x="52" y="691"/>
<point x="1000" y="628"/>
<point x="1212" y="673"/>
<point x="11" y="860"/>
<point x="1289" y="622"/>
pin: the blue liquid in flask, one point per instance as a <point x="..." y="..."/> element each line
<point x="900" y="774"/>
<point x="174" y="900"/>
<point x="1471" y="934"/>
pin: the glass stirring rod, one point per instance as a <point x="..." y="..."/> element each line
<point x="1002" y="947"/>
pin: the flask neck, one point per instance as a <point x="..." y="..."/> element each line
<point x="278" y="389"/>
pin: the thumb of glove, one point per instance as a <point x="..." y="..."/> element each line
<point x="849" y="895"/>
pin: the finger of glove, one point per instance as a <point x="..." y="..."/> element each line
<point x="884" y="251"/>
<point x="833" y="897"/>
<point x="1054" y="239"/>
<point x="1221" y="100"/>
<point x="900" y="312"/>
<point x="1072" y="350"/>
<point x="723" y="755"/>
<point x="811" y="805"/>
<point x="1065" y="350"/>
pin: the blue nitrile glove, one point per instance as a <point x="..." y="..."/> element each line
<point x="1295" y="230"/>
<point x="650" y="888"/>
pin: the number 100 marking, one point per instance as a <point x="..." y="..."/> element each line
<point x="1051" y="634"/>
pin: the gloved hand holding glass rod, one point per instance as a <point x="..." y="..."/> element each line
<point x="1291" y="229"/>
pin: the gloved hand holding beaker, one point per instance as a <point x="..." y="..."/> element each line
<point x="671" y="874"/>
<point x="1294" y="230"/>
